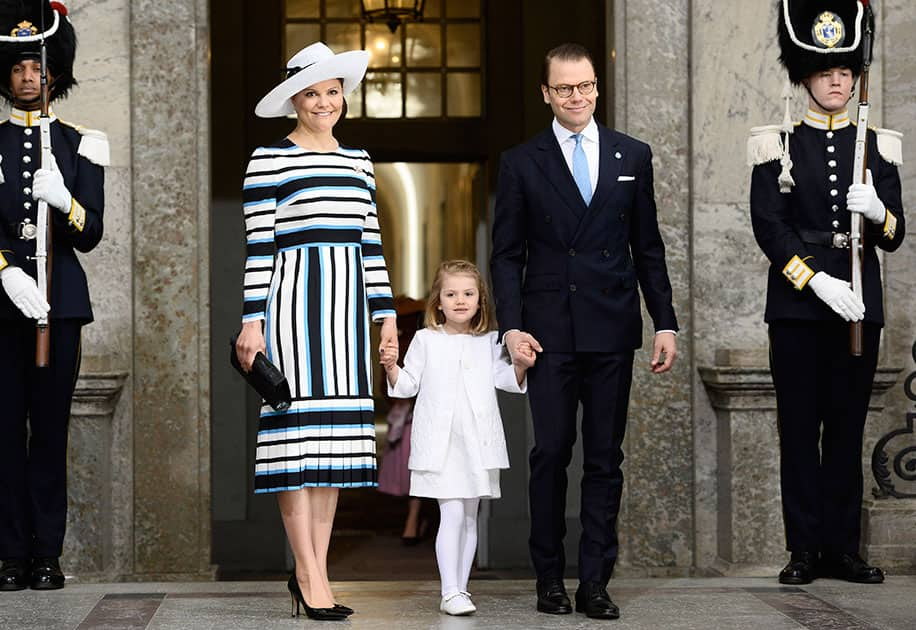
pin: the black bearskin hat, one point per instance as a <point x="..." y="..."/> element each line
<point x="816" y="35"/>
<point x="22" y="18"/>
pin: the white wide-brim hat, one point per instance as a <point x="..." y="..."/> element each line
<point x="311" y="65"/>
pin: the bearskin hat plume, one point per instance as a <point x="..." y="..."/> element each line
<point x="819" y="35"/>
<point x="24" y="17"/>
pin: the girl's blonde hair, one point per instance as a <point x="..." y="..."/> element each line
<point x="482" y="320"/>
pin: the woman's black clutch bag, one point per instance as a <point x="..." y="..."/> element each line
<point x="264" y="376"/>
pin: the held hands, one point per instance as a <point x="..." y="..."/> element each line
<point x="48" y="185"/>
<point x="389" y="336"/>
<point x="836" y="294"/>
<point x="388" y="357"/>
<point x="863" y="198"/>
<point x="522" y="348"/>
<point x="249" y="343"/>
<point x="664" y="352"/>
<point x="23" y="292"/>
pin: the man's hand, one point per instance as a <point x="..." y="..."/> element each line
<point x="863" y="198"/>
<point x="249" y="343"/>
<point x="48" y="185"/>
<point x="23" y="292"/>
<point x="522" y="353"/>
<point x="665" y="343"/>
<point x="836" y="294"/>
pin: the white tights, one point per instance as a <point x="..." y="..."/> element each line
<point x="456" y="543"/>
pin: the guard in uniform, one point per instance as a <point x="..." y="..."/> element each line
<point x="802" y="200"/>
<point x="36" y="401"/>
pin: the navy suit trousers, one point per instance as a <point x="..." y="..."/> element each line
<point x="556" y="385"/>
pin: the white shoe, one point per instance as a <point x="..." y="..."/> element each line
<point x="457" y="604"/>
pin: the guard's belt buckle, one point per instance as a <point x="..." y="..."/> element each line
<point x="840" y="240"/>
<point x="28" y="231"/>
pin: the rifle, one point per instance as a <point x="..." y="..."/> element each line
<point x="860" y="164"/>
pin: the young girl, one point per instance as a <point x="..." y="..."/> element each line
<point x="457" y="445"/>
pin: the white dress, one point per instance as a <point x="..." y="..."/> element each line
<point x="463" y="475"/>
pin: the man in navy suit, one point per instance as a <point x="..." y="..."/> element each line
<point x="36" y="401"/>
<point x="575" y="236"/>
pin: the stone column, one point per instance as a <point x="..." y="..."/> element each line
<point x="170" y="114"/>
<point x="652" y="89"/>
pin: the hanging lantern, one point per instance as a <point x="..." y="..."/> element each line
<point x="393" y="12"/>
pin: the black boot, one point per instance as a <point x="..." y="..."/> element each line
<point x="14" y="574"/>
<point x="46" y="574"/>
<point x="800" y="569"/>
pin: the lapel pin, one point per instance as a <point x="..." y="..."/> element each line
<point x="617" y="155"/>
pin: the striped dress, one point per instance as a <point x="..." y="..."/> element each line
<point x="315" y="274"/>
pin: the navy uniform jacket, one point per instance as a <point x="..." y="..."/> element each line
<point x="79" y="230"/>
<point x="822" y="169"/>
<point x="581" y="265"/>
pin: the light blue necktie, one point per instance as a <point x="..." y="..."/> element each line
<point x="580" y="170"/>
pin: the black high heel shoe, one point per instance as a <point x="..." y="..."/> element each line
<point x="318" y="614"/>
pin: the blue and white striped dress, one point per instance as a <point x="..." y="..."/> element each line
<point x="315" y="274"/>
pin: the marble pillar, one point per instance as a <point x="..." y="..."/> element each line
<point x="652" y="88"/>
<point x="171" y="256"/>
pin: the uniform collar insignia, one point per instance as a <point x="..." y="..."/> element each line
<point x="826" y="121"/>
<point x="28" y="119"/>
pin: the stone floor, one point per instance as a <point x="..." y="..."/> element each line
<point x="656" y="604"/>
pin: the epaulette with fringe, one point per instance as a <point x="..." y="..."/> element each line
<point x="93" y="145"/>
<point x="890" y="145"/>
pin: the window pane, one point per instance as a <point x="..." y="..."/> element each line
<point x="343" y="37"/>
<point x="432" y="8"/>
<point x="298" y="36"/>
<point x="463" y="8"/>
<point x="343" y="8"/>
<point x="302" y="8"/>
<point x="384" y="47"/>
<point x="463" y="45"/>
<point x="355" y="103"/>
<point x="424" y="45"/>
<point x="463" y="94"/>
<point x="383" y="95"/>
<point x="424" y="94"/>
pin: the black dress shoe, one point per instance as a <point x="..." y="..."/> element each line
<point x="852" y="568"/>
<point x="46" y="574"/>
<point x="14" y="575"/>
<point x="552" y="597"/>
<point x="800" y="569"/>
<point x="593" y="600"/>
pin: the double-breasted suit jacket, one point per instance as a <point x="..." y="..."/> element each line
<point x="568" y="273"/>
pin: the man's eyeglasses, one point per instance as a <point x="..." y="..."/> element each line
<point x="565" y="91"/>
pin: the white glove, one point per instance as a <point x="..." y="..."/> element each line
<point x="836" y="294"/>
<point x="48" y="185"/>
<point x="863" y="198"/>
<point x="24" y="293"/>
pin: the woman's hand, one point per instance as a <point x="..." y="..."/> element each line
<point x="389" y="337"/>
<point x="389" y="357"/>
<point x="249" y="343"/>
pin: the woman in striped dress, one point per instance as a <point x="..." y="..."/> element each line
<point x="314" y="277"/>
